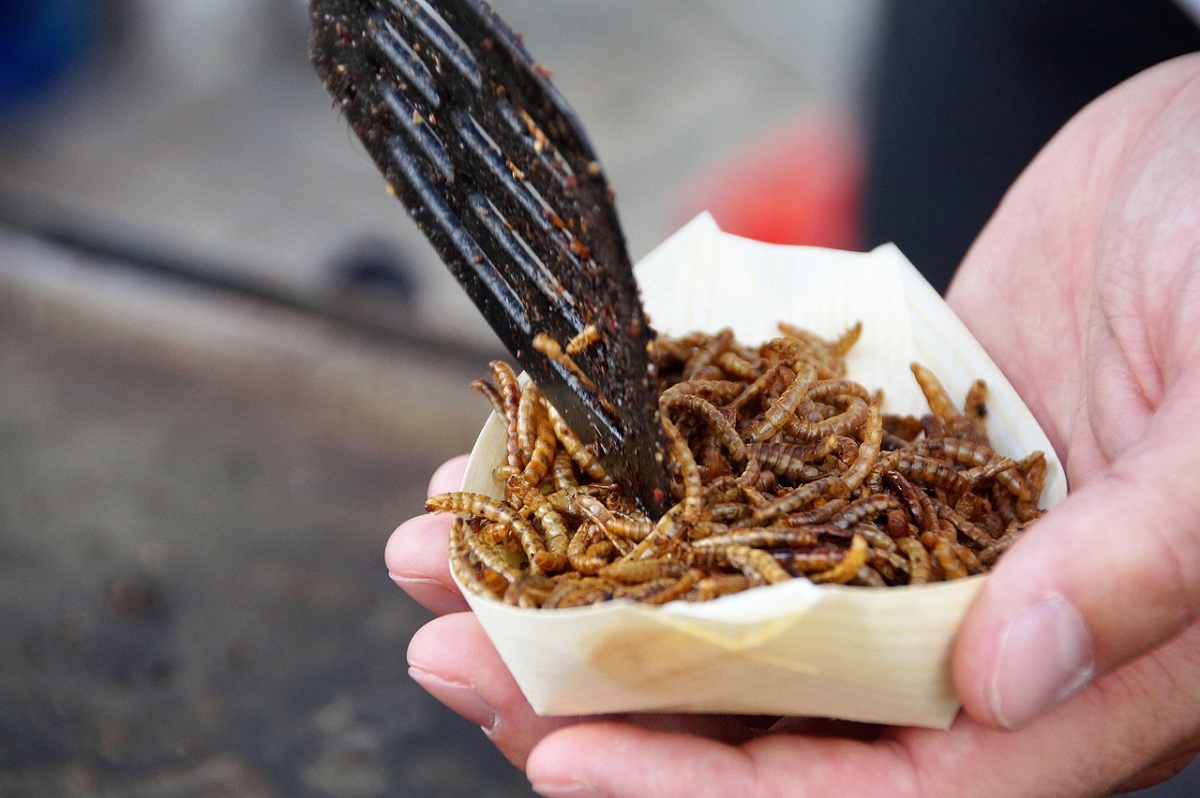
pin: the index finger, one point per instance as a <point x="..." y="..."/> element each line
<point x="449" y="475"/>
<point x="416" y="554"/>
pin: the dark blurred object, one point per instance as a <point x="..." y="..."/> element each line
<point x="964" y="94"/>
<point x="372" y="278"/>
<point x="40" y="41"/>
<point x="376" y="266"/>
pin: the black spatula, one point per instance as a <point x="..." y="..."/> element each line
<point x="498" y="173"/>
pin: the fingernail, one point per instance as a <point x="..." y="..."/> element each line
<point x="1045" y="657"/>
<point x="402" y="579"/>
<point x="570" y="790"/>
<point x="462" y="698"/>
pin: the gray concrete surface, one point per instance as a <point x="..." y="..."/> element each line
<point x="195" y="490"/>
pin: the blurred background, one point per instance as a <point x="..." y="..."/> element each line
<point x="229" y="363"/>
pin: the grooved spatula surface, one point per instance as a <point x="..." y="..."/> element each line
<point x="497" y="172"/>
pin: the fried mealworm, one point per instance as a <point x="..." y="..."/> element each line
<point x="975" y="411"/>
<point x="659" y="591"/>
<point x="852" y="560"/>
<point x="761" y="537"/>
<point x="755" y="563"/>
<point x="707" y="352"/>
<point x="802" y="496"/>
<point x="588" y="336"/>
<point x="965" y="527"/>
<point x="581" y="554"/>
<point x="489" y="392"/>
<point x="918" y="560"/>
<point x="723" y="431"/>
<point x="711" y="587"/>
<point x="757" y="388"/>
<point x="693" y="488"/>
<point x="541" y="456"/>
<point x="986" y="464"/>
<point x="610" y="523"/>
<point x="792" y="460"/>
<point x="868" y="450"/>
<point x="634" y="571"/>
<point x="865" y="508"/>
<point x="575" y="448"/>
<point x="739" y="366"/>
<point x="476" y="504"/>
<point x="563" y="470"/>
<point x="509" y="390"/>
<point x="557" y="536"/>
<point x="530" y="590"/>
<point x="529" y="415"/>
<point x="940" y="403"/>
<point x="817" y="515"/>
<point x="780" y="467"/>
<point x="460" y="563"/>
<point x="781" y="410"/>
<point x="553" y="350"/>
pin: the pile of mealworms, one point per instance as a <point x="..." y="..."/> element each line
<point x="780" y="468"/>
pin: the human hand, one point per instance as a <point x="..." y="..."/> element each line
<point x="1085" y="288"/>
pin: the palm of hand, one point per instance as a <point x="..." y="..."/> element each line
<point x="1085" y="288"/>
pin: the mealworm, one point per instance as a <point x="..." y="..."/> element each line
<point x="588" y="336"/>
<point x="551" y="348"/>
<point x="756" y="563"/>
<point x="509" y="390"/>
<point x="780" y="466"/>
<point x="854" y="559"/>
<point x="476" y="504"/>
<point x="781" y="410"/>
<point x="574" y="447"/>
<point x="724" y="432"/>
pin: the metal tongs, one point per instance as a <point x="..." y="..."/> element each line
<point x="496" y="170"/>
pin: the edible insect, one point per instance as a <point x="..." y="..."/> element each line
<point x="778" y="471"/>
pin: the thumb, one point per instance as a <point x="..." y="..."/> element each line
<point x="1100" y="580"/>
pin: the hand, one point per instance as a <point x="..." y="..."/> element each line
<point x="1085" y="288"/>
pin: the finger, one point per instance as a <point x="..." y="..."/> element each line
<point x="416" y="553"/>
<point x="449" y="475"/>
<point x="1104" y="578"/>
<point x="417" y="560"/>
<point x="1156" y="774"/>
<point x="1084" y="747"/>
<point x="1113" y="572"/>
<point x="452" y="658"/>
<point x="614" y="759"/>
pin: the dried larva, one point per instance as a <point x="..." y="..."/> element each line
<point x="781" y="467"/>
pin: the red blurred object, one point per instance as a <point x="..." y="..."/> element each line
<point x="799" y="185"/>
